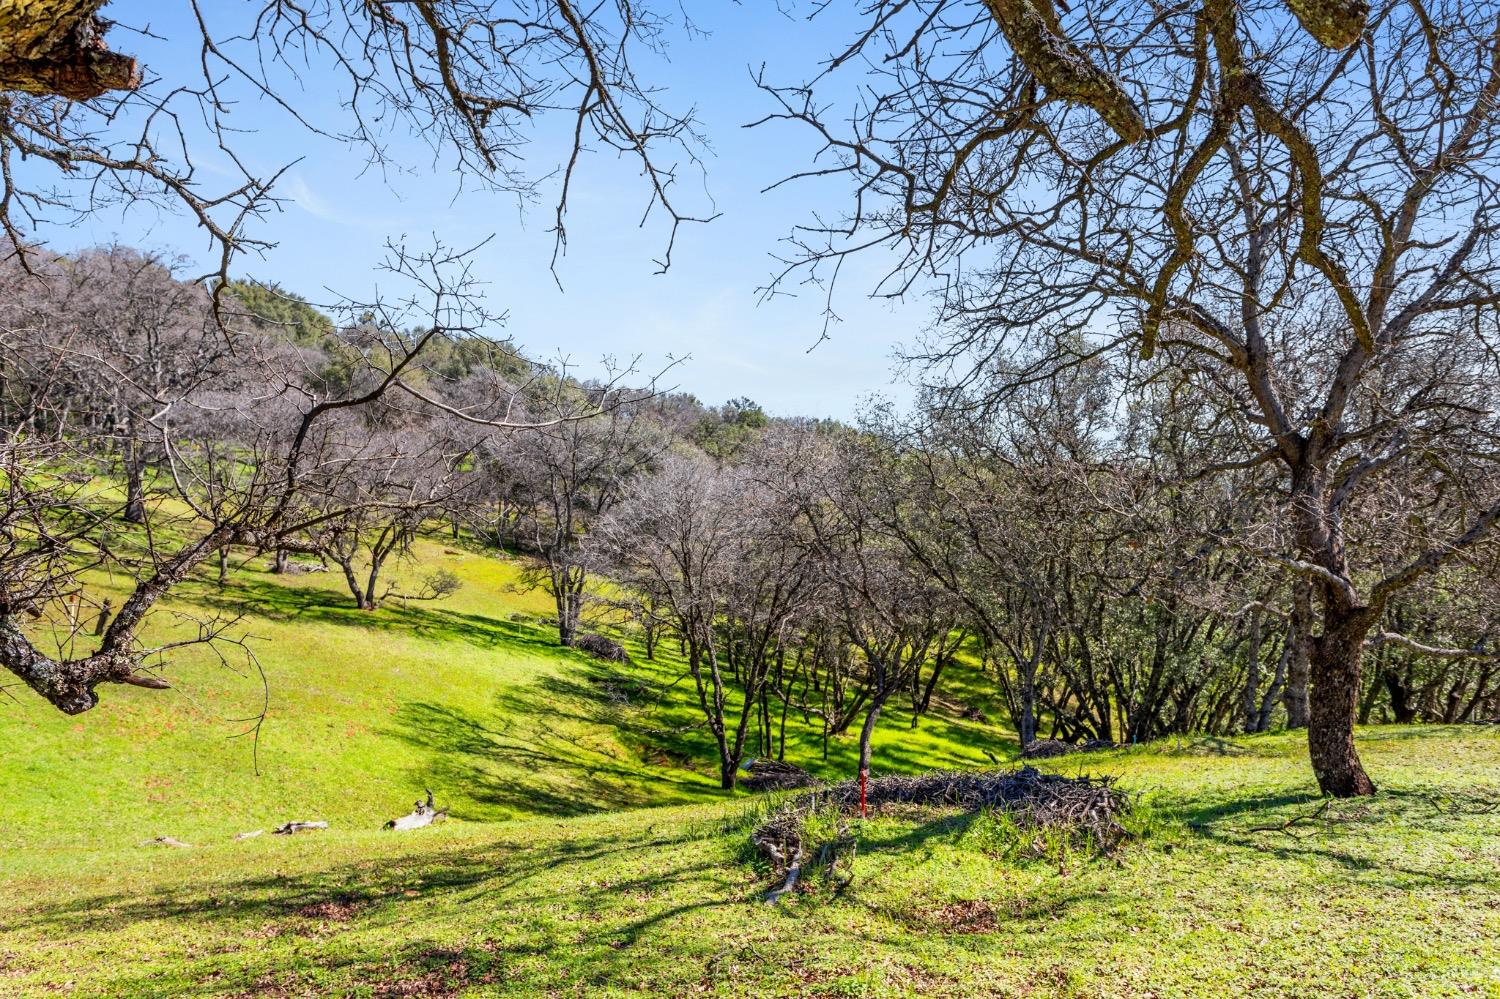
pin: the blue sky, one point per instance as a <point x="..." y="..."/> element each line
<point x="337" y="216"/>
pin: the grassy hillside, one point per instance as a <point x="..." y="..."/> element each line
<point x="469" y="696"/>
<point x="557" y="880"/>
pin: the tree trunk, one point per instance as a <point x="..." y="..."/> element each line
<point x="568" y="605"/>
<point x="352" y="581"/>
<point x="279" y="566"/>
<point x="1269" y="700"/>
<point x="135" y="490"/>
<point x="1480" y="686"/>
<point x="1026" y="724"/>
<point x="1334" y="702"/>
<point x="371" y="598"/>
<point x="867" y="731"/>
<point x="103" y="620"/>
<point x="1249" y="705"/>
<point x="1403" y="711"/>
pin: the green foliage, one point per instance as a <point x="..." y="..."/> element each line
<point x="454" y="359"/>
<point x="723" y="432"/>
<point x="274" y="308"/>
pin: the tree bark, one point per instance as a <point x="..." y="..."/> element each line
<point x="56" y="47"/>
<point x="867" y="731"/>
<point x="1335" y="688"/>
<point x="135" y="490"/>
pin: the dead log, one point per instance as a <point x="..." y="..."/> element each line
<point x="168" y="841"/>
<point x="291" y="828"/>
<point x="248" y="835"/>
<point x="792" y="874"/>
<point x="423" y="813"/>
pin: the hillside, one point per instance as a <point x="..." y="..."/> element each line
<point x="563" y="875"/>
<point x="470" y="696"/>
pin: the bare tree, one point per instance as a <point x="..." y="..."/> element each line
<point x="404" y="478"/>
<point x="1293" y="219"/>
<point x="588" y="448"/>
<point x="888" y="608"/>
<point x="715" y="551"/>
<point x="248" y="455"/>
<point x="130" y="335"/>
<point x="475" y="79"/>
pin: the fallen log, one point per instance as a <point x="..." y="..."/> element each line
<point x="292" y="828"/>
<point x="168" y="841"/>
<point x="423" y="813"/>
<point x="793" y="873"/>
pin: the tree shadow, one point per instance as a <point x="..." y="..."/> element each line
<point x="356" y="900"/>
<point x="1338" y="832"/>
<point x="287" y="604"/>
<point x="572" y="742"/>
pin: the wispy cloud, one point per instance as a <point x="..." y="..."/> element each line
<point x="305" y="198"/>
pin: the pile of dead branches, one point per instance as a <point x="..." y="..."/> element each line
<point x="774" y="775"/>
<point x="602" y="648"/>
<point x="1043" y="749"/>
<point x="1088" y="808"/>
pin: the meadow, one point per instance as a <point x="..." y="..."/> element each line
<point x="590" y="853"/>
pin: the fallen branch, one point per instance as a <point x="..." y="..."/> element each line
<point x="1316" y="815"/>
<point x="792" y="874"/>
<point x="168" y="841"/>
<point x="291" y="828"/>
<point x="423" y="813"/>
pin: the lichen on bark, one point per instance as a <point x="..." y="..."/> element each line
<point x="57" y="47"/>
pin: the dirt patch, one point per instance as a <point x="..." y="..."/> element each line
<point x="442" y="973"/>
<point x="971" y="916"/>
<point x="338" y="909"/>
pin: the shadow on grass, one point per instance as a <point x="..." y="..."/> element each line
<point x="584" y="738"/>
<point x="1361" y="836"/>
<point x="475" y="887"/>
<point x="281" y="603"/>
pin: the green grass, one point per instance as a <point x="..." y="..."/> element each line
<point x="366" y="709"/>
<point x="556" y="878"/>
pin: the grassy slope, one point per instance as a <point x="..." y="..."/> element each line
<point x="1401" y="898"/>
<point x="365" y="710"/>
